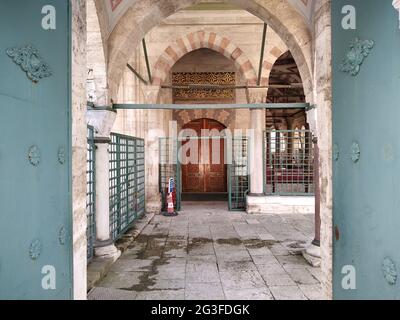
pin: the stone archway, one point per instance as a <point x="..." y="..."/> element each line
<point x="199" y="40"/>
<point x="96" y="52"/>
<point x="141" y="18"/>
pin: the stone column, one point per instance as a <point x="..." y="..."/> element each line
<point x="257" y="159"/>
<point x="79" y="131"/>
<point x="258" y="123"/>
<point x="102" y="121"/>
<point x="153" y="133"/>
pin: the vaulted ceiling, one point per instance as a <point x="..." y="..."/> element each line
<point x="116" y="8"/>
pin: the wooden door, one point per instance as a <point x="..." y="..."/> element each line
<point x="209" y="174"/>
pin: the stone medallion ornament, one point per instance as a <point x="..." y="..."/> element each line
<point x="336" y="152"/>
<point x="35" y="249"/>
<point x="34" y="156"/>
<point x="355" y="152"/>
<point x="389" y="271"/>
<point x="358" y="51"/>
<point x="62" y="155"/>
<point x="396" y="5"/>
<point x="62" y="236"/>
<point x="30" y="61"/>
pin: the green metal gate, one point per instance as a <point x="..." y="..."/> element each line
<point x="90" y="193"/>
<point x="238" y="174"/>
<point x="366" y="163"/>
<point x="127" y="183"/>
<point x="238" y="170"/>
<point x="35" y="151"/>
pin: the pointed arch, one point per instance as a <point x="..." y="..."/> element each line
<point x="199" y="40"/>
<point x="139" y="19"/>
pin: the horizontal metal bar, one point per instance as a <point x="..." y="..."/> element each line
<point x="271" y="106"/>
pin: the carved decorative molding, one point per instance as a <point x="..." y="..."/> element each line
<point x="358" y="51"/>
<point x="203" y="78"/>
<point x="34" y="155"/>
<point x="30" y="61"/>
<point x="35" y="249"/>
<point x="396" y="5"/>
<point x="62" y="236"/>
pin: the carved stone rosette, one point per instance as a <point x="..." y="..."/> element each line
<point x="396" y="5"/>
<point x="30" y="61"/>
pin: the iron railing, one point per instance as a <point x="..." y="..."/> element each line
<point x="238" y="174"/>
<point x="289" y="163"/>
<point x="90" y="193"/>
<point x="127" y="183"/>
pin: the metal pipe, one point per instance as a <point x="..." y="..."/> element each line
<point x="137" y="74"/>
<point x="146" y="56"/>
<point x="271" y="106"/>
<point x="317" y="239"/>
<point x="262" y="53"/>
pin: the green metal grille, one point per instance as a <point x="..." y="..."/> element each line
<point x="127" y="183"/>
<point x="238" y="174"/>
<point x="90" y="193"/>
<point x="289" y="163"/>
<point x="169" y="168"/>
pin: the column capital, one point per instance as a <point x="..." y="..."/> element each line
<point x="102" y="121"/>
<point x="256" y="95"/>
<point x="150" y="94"/>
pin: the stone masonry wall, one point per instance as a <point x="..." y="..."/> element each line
<point x="79" y="146"/>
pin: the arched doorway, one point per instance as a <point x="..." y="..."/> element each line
<point x="204" y="169"/>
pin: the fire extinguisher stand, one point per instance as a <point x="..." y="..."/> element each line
<point x="170" y="200"/>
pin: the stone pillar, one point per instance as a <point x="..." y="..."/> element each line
<point x="257" y="159"/>
<point x="258" y="124"/>
<point x="79" y="146"/>
<point x="317" y="239"/>
<point x="102" y="121"/>
<point x="152" y="138"/>
<point x="323" y="101"/>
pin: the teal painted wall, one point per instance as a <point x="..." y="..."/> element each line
<point x="35" y="200"/>
<point x="366" y="111"/>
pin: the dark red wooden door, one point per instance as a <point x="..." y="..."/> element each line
<point x="209" y="173"/>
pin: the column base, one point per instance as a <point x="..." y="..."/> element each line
<point x="313" y="255"/>
<point x="153" y="205"/>
<point x="263" y="204"/>
<point x="106" y="250"/>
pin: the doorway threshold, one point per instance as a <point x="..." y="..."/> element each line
<point x="205" y="196"/>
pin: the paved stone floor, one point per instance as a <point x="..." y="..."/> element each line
<point x="209" y="253"/>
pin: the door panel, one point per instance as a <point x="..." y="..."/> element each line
<point x="35" y="184"/>
<point x="366" y="152"/>
<point x="210" y="175"/>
